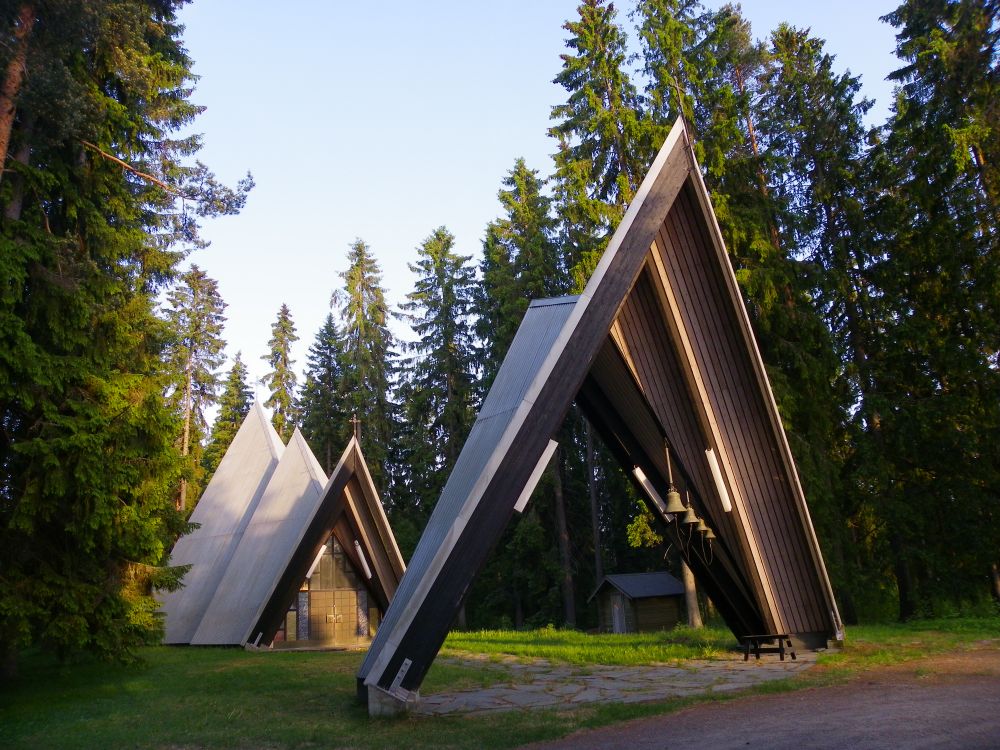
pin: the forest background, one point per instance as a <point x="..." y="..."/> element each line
<point x="867" y="254"/>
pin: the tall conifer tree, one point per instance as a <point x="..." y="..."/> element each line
<point x="928" y="450"/>
<point x="368" y="358"/>
<point x="88" y="456"/>
<point x="281" y="380"/>
<point x="521" y="262"/>
<point x="441" y="373"/>
<point x="234" y="405"/>
<point x="321" y="406"/>
<point x="195" y="315"/>
<point x="606" y="142"/>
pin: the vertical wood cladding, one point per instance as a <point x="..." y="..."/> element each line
<point x="684" y="368"/>
<point x="743" y="417"/>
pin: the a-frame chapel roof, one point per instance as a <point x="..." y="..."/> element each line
<point x="222" y="515"/>
<point x="238" y="592"/>
<point x="659" y="353"/>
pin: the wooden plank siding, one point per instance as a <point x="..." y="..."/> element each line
<point x="657" y="350"/>
<point x="725" y="363"/>
<point x="615" y="406"/>
<point x="350" y="508"/>
<point x="497" y="461"/>
<point x="655" y="365"/>
<point x="658" y="613"/>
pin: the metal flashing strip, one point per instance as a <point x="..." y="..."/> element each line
<point x="529" y="488"/>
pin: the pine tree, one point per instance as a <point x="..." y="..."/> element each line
<point x="88" y="456"/>
<point x="281" y="380"/>
<point x="441" y="372"/>
<point x="928" y="448"/>
<point x="815" y="138"/>
<point x="670" y="32"/>
<point x="367" y="359"/>
<point x="321" y="408"/>
<point x="234" y="405"/>
<point x="196" y="320"/>
<point x="606" y="142"/>
<point x="520" y="263"/>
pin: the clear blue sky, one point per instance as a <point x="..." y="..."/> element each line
<point x="386" y="120"/>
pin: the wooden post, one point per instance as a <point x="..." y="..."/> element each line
<point x="569" y="601"/>
<point x="595" y="516"/>
<point x="690" y="597"/>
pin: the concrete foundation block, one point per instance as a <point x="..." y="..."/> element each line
<point x="382" y="703"/>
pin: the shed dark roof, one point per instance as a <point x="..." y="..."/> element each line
<point x="643" y="585"/>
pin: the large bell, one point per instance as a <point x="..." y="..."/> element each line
<point x="690" y="516"/>
<point x="674" y="504"/>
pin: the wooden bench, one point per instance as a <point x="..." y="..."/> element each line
<point x="753" y="643"/>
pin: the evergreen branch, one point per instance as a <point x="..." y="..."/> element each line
<point x="156" y="181"/>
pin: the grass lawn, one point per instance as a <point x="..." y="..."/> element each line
<point x="574" y="647"/>
<point x="186" y="698"/>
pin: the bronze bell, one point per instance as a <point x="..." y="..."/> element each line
<point x="701" y="526"/>
<point x="690" y="516"/>
<point x="674" y="504"/>
<point x="709" y="534"/>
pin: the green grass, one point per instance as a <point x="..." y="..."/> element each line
<point x="869" y="646"/>
<point x="185" y="698"/>
<point x="574" y="647"/>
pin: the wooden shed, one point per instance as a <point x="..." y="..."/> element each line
<point x="638" y="602"/>
<point x="659" y="354"/>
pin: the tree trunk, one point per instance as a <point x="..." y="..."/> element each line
<point x="752" y="133"/>
<point x="904" y="581"/>
<point x="569" y="603"/>
<point x="14" y="77"/>
<point x="186" y="437"/>
<point x="12" y="211"/>
<point x="690" y="597"/>
<point x="8" y="662"/>
<point x="595" y="518"/>
<point x="995" y="575"/>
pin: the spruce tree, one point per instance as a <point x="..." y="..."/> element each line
<point x="367" y="359"/>
<point x="92" y="228"/>
<point x="670" y="32"/>
<point x="321" y="406"/>
<point x="928" y="451"/>
<point x="281" y="379"/>
<point x="195" y="317"/>
<point x="441" y="371"/>
<point x="813" y="131"/>
<point x="234" y="405"/>
<point x="606" y="142"/>
<point x="521" y="262"/>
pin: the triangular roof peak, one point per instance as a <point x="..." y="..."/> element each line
<point x="272" y="536"/>
<point x="349" y="504"/>
<point x="222" y="515"/>
<point x="659" y="353"/>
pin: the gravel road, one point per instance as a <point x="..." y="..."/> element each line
<point x="948" y="701"/>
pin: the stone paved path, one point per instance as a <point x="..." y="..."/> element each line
<point x="540" y="684"/>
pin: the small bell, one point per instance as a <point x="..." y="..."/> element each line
<point x="674" y="504"/>
<point x="690" y="516"/>
<point x="701" y="526"/>
<point x="709" y="534"/>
